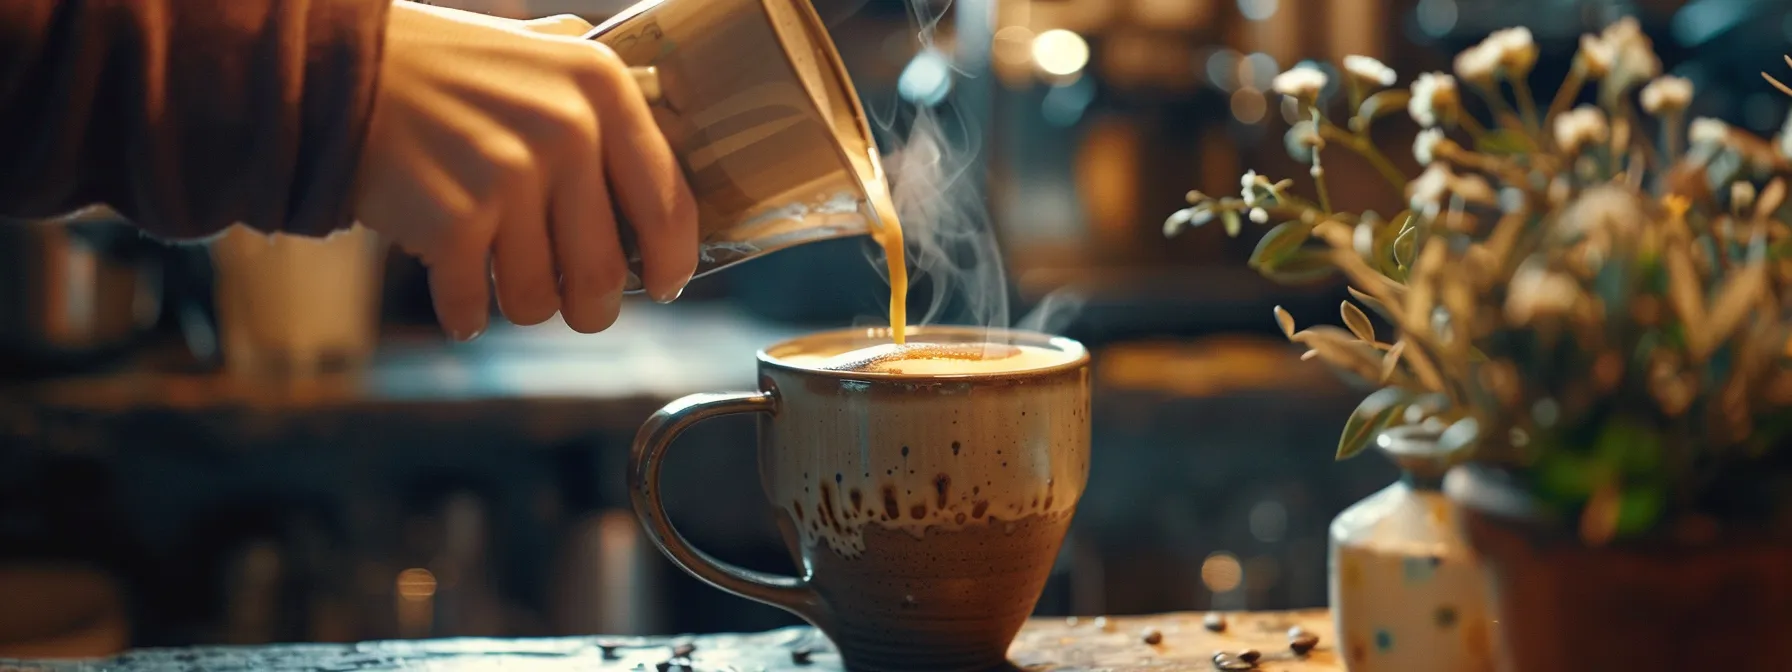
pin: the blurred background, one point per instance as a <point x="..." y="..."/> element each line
<point x="180" y="464"/>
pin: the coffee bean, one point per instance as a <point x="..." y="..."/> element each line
<point x="684" y="650"/>
<point x="663" y="666"/>
<point x="1214" y="623"/>
<point x="1152" y="636"/>
<point x="1304" y="643"/>
<point x="1227" y="661"/>
<point x="1250" y="655"/>
<point x="800" y="656"/>
<point x="608" y="651"/>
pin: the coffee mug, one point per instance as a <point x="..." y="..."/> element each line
<point x="925" y="509"/>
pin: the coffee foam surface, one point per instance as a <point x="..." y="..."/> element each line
<point x="935" y="359"/>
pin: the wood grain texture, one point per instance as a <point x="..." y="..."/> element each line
<point x="1046" y="645"/>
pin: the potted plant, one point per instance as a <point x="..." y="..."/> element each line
<point x="1590" y="305"/>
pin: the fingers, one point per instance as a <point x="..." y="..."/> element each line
<point x="647" y="181"/>
<point x="587" y="248"/>
<point x="460" y="293"/>
<point x="564" y="25"/>
<point x="522" y="258"/>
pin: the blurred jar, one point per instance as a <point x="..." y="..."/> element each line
<point x="296" y="305"/>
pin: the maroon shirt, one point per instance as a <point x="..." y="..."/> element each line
<point x="187" y="115"/>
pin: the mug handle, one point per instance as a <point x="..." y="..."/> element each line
<point x="645" y="460"/>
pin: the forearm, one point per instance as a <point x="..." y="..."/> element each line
<point x="187" y="115"/>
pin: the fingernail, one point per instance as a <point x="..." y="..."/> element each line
<point x="668" y="297"/>
<point x="465" y="336"/>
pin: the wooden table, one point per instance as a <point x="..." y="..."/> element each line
<point x="1046" y="645"/>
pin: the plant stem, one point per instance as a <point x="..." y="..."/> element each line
<point x="1670" y="129"/>
<point x="1325" y="198"/>
<point x="1522" y="89"/>
<point x="1571" y="86"/>
<point x="1472" y="125"/>
<point x="1367" y="150"/>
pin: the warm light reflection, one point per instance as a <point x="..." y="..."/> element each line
<point x="1222" y="573"/>
<point x="1249" y="105"/>
<point x="1060" y="52"/>
<point x="416" y="584"/>
<point x="1257" y="10"/>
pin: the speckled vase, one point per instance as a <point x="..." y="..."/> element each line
<point x="1406" y="593"/>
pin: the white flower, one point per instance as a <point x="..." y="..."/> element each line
<point x="1259" y="215"/>
<point x="1301" y="82"/>
<point x="1596" y="55"/>
<point x="1434" y="95"/>
<point x="1517" y="50"/>
<point x="1630" y="56"/>
<point x="1581" y="126"/>
<point x="1424" y="147"/>
<point x="1426" y="194"/>
<point x="1785" y="139"/>
<point x="1369" y="70"/>
<point x="1478" y="64"/>
<point x="1535" y="291"/>
<point x="1705" y="130"/>
<point x="1248" y="186"/>
<point x="1667" y="94"/>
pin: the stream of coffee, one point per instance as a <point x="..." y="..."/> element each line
<point x="886" y="230"/>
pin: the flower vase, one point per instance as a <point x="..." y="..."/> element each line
<point x="1406" y="592"/>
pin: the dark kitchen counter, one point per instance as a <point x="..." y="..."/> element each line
<point x="1046" y="645"/>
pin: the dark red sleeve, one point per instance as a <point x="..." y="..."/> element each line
<point x="187" y="115"/>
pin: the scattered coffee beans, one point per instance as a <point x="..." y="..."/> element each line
<point x="1250" y="655"/>
<point x="1227" y="661"/>
<point x="1303" y="643"/>
<point x="1214" y="623"/>
<point x="1153" y="637"/>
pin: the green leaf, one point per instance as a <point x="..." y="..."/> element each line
<point x="1460" y="435"/>
<point x="1233" y="224"/>
<point x="1383" y="103"/>
<point x="1565" y="476"/>
<point x="1279" y="243"/>
<point x="1781" y="249"/>
<point x="1503" y="142"/>
<point x="1639" y="509"/>
<point x="1304" y="266"/>
<point x="1379" y="410"/>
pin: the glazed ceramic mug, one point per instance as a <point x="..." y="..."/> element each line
<point x="925" y="509"/>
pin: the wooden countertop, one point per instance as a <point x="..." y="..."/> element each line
<point x="1046" y="645"/>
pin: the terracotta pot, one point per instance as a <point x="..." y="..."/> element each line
<point x="1562" y="605"/>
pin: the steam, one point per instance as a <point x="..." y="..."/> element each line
<point x="930" y="153"/>
<point x="952" y="246"/>
<point x="1055" y="312"/>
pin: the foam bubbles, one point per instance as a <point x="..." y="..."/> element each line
<point x="936" y="359"/>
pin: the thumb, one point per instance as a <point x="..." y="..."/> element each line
<point x="563" y="25"/>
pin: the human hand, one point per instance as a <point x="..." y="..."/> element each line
<point x="498" y="142"/>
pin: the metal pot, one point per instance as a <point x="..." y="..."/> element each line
<point x="75" y="289"/>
